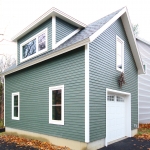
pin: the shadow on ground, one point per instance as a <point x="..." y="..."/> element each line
<point x="129" y="144"/>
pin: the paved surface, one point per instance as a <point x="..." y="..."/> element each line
<point x="129" y="144"/>
<point x="12" y="146"/>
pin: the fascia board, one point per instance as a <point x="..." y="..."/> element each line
<point x="54" y="54"/>
<point x="52" y="12"/>
<point x="132" y="41"/>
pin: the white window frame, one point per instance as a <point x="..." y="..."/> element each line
<point x="37" y="52"/>
<point x="13" y="117"/>
<point x="118" y="39"/>
<point x="58" y="122"/>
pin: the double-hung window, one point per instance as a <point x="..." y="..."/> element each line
<point x="119" y="54"/>
<point x="34" y="46"/>
<point x="15" y="106"/>
<point x="56" y="105"/>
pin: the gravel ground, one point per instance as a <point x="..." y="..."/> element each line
<point x="129" y="144"/>
<point x="12" y="146"/>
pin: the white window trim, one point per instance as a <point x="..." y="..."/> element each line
<point x="122" y="43"/>
<point x="14" y="94"/>
<point x="37" y="52"/>
<point x="62" y="105"/>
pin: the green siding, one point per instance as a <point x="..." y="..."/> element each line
<point x="46" y="24"/>
<point x="103" y="74"/>
<point x="33" y="84"/>
<point x="63" y="29"/>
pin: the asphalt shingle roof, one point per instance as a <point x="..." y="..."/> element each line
<point x="80" y="36"/>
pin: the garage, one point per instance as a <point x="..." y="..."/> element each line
<point x="118" y="115"/>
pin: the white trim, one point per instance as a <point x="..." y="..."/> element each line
<point x="37" y="52"/>
<point x="132" y="41"/>
<point x="138" y="102"/>
<point x="87" y="115"/>
<point x="128" y="111"/>
<point x="12" y="101"/>
<point x="53" y="31"/>
<point x="108" y="24"/>
<point x="66" y="38"/>
<point x="52" y="12"/>
<point x="118" y="39"/>
<point x="4" y="100"/>
<point x="57" y="122"/>
<point x="56" y="53"/>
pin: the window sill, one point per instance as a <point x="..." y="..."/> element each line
<point x="15" y="118"/>
<point x="56" y="122"/>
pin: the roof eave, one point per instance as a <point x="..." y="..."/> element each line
<point x="52" y="12"/>
<point x="132" y="41"/>
<point x="54" y="54"/>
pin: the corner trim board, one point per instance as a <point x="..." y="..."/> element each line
<point x="87" y="116"/>
<point x="4" y="100"/>
<point x="53" y="31"/>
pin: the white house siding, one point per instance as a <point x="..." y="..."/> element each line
<point x="144" y="83"/>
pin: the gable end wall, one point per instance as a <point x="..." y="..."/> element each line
<point x="103" y="74"/>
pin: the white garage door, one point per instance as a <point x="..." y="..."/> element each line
<point x="116" y="124"/>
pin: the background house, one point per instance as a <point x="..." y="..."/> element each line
<point x="144" y="82"/>
<point x="65" y="84"/>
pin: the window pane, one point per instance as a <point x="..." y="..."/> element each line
<point x="16" y="100"/>
<point x="15" y="111"/>
<point x="119" y="62"/>
<point x="56" y="112"/>
<point x="29" y="48"/>
<point x="41" y="41"/>
<point x="119" y="48"/>
<point x="56" y="97"/>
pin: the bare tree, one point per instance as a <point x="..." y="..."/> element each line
<point x="135" y="29"/>
<point x="5" y="62"/>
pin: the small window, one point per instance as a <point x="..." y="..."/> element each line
<point x="34" y="46"/>
<point x="110" y="98"/>
<point x="119" y="54"/>
<point x="15" y="106"/>
<point x="145" y="69"/>
<point x="120" y="99"/>
<point x="56" y="105"/>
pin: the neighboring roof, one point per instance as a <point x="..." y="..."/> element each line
<point x="86" y="36"/>
<point x="52" y="12"/>
<point x="143" y="40"/>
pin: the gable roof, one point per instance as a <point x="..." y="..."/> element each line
<point x="142" y="40"/>
<point x="86" y="36"/>
<point x="52" y="12"/>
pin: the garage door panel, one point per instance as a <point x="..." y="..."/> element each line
<point x="115" y="118"/>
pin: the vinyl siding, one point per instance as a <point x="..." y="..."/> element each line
<point x="103" y="74"/>
<point x="33" y="84"/>
<point x="63" y="29"/>
<point x="46" y="24"/>
<point x="144" y="84"/>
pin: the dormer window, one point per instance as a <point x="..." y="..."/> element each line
<point x="34" y="46"/>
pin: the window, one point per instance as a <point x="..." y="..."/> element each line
<point x="15" y="106"/>
<point x="34" y="46"/>
<point x="119" y="54"/>
<point x="145" y="68"/>
<point x="56" y="105"/>
<point x="110" y="98"/>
